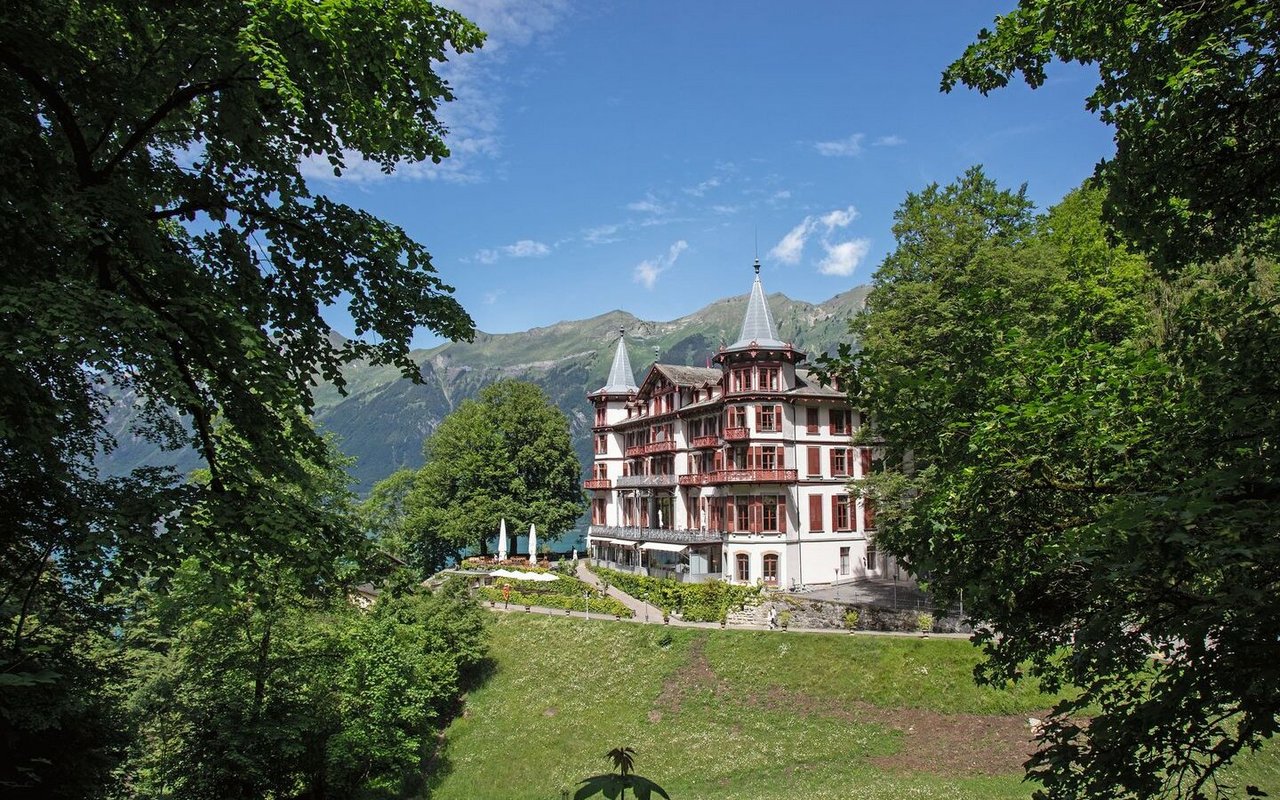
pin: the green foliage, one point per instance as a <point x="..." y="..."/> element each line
<point x="1087" y="453"/>
<point x="273" y="693"/>
<point x="924" y="621"/>
<point x="696" y="602"/>
<point x="506" y="455"/>
<point x="851" y="619"/>
<point x="160" y="243"/>
<point x="566" y="592"/>
<point x="1193" y="91"/>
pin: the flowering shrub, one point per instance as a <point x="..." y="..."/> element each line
<point x="696" y="602"/>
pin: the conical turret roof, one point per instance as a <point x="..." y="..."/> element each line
<point x="757" y="325"/>
<point x="621" y="379"/>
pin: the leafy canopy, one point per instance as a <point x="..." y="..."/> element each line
<point x="505" y="455"/>
<point x="1087" y="453"/>
<point x="1193" y="90"/>
<point x="160" y="245"/>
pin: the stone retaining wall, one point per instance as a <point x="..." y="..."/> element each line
<point x="808" y="613"/>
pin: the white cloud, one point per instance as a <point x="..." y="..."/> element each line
<point x="720" y="209"/>
<point x="849" y="146"/>
<point x="892" y="140"/>
<point x="791" y="247"/>
<point x="601" y="234"/>
<point x="649" y="205"/>
<point x="840" y="218"/>
<point x="843" y="257"/>
<point x="647" y="271"/>
<point x="702" y="188"/>
<point x="525" y="248"/>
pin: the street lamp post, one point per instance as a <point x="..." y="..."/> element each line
<point x="586" y="598"/>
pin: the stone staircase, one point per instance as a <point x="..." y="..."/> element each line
<point x="750" y="616"/>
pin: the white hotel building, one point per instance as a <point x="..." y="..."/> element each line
<point x="736" y="472"/>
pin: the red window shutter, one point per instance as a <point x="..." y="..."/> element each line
<point x="832" y="458"/>
<point x="868" y="514"/>
<point x="865" y="455"/>
<point x="815" y="512"/>
<point x="777" y="418"/>
<point x="757" y="414"/>
<point x="815" y="461"/>
<point x="835" y="512"/>
<point x="811" y="420"/>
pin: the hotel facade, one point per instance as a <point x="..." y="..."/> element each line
<point x="737" y="472"/>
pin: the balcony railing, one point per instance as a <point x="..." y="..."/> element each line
<point x="668" y="446"/>
<point x="596" y="483"/>
<point x="642" y="481"/>
<point x="739" y="476"/>
<point x="704" y="442"/>
<point x="736" y="434"/>
<point x="655" y="535"/>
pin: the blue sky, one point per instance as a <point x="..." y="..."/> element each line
<point x="631" y="154"/>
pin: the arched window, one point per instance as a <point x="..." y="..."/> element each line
<point x="771" y="569"/>
<point x="743" y="563"/>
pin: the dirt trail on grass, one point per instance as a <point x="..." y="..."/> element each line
<point x="943" y="744"/>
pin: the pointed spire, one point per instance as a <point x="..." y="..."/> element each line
<point x="757" y="325"/>
<point x="621" y="379"/>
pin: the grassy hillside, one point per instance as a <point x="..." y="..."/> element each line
<point x="735" y="714"/>
<point x="715" y="715"/>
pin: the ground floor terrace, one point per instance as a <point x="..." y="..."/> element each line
<point x="772" y="560"/>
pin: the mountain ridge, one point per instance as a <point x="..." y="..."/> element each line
<point x="382" y="419"/>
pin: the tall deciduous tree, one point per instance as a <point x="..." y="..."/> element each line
<point x="505" y="455"/>
<point x="1084" y="452"/>
<point x="159" y="241"/>
<point x="1193" y="90"/>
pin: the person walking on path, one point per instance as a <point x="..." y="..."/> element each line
<point x="773" y="618"/>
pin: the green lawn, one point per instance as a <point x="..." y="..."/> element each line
<point x="734" y="714"/>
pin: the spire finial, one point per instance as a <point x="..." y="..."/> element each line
<point x="757" y="266"/>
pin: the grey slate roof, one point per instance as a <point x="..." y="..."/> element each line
<point x="757" y="325"/>
<point x="681" y="375"/>
<point x="621" y="379"/>
<point x="808" y="385"/>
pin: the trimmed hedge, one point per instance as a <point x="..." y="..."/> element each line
<point x="547" y="598"/>
<point x="696" y="602"/>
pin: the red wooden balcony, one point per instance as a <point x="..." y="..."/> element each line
<point x="669" y="446"/>
<point x="753" y="476"/>
<point x="736" y="434"/>
<point x="739" y="476"/>
<point x="596" y="483"/>
<point x="705" y="442"/>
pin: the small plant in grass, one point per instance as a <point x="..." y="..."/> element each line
<point x="924" y="621"/>
<point x="615" y="784"/>
<point x="851" y="620"/>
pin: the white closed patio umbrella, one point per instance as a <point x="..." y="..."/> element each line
<point x="502" y="540"/>
<point x="533" y="544"/>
